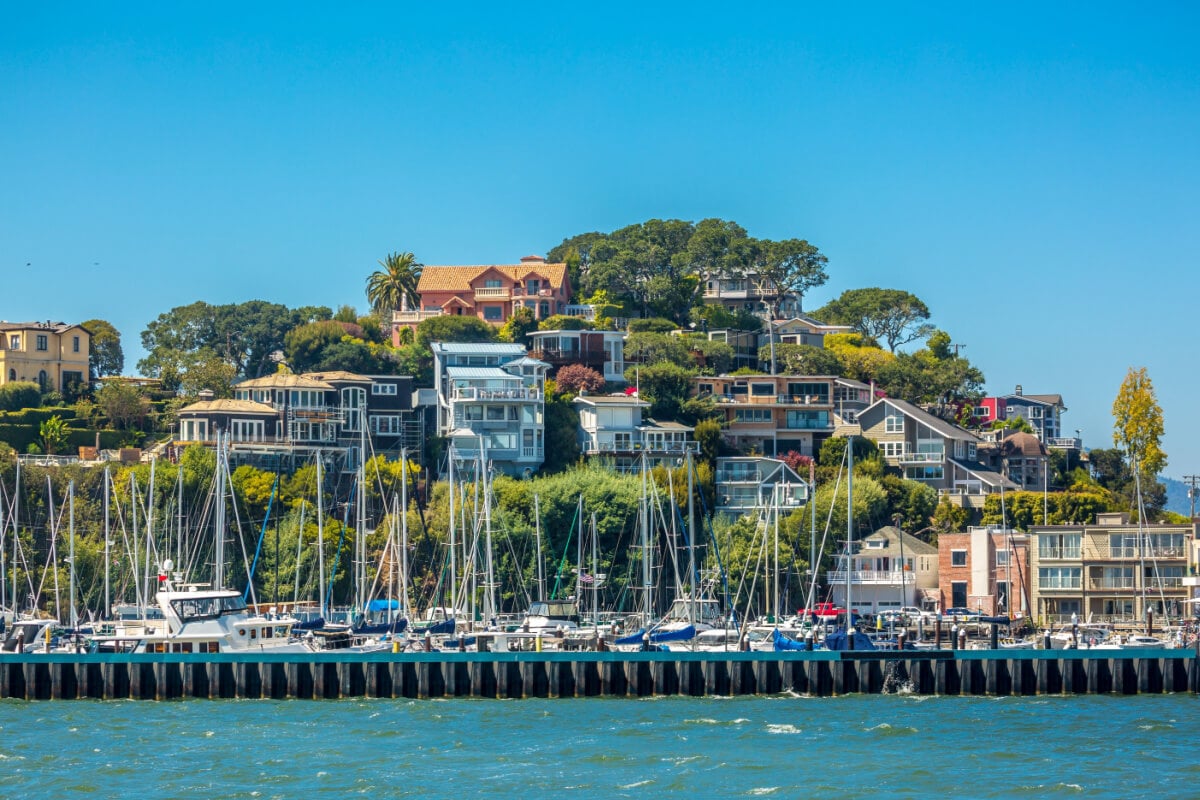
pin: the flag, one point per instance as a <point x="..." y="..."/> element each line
<point x="631" y="391"/>
<point x="585" y="578"/>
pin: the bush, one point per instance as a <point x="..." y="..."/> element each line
<point x="19" y="394"/>
<point x="653" y="325"/>
<point x="561" y="322"/>
<point x="579" y="377"/>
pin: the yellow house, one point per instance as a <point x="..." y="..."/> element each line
<point x="53" y="355"/>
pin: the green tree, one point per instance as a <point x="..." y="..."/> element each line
<point x="395" y="285"/>
<point x="123" y="405"/>
<point x="304" y="345"/>
<point x="665" y="384"/>
<point x="454" y="328"/>
<point x="562" y="443"/>
<point x="206" y="370"/>
<point x="518" y="326"/>
<point x="860" y="361"/>
<point x="949" y="518"/>
<point x="653" y="348"/>
<point x="1138" y="425"/>
<point x="789" y="268"/>
<point x="574" y="378"/>
<point x="893" y="316"/>
<point x="54" y="435"/>
<point x="18" y="395"/>
<point x="105" y="356"/>
<point x="803" y="359"/>
<point x="708" y="436"/>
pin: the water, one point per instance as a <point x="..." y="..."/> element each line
<point x="859" y="746"/>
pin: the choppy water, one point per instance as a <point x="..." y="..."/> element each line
<point x="860" y="746"/>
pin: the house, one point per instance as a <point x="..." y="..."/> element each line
<point x="603" y="351"/>
<point x="888" y="570"/>
<point x="612" y="427"/>
<point x="743" y="343"/>
<point x="772" y="414"/>
<point x="982" y="569"/>
<point x="490" y="292"/>
<point x="1018" y="456"/>
<point x="750" y="484"/>
<point x="926" y="448"/>
<point x="1043" y="412"/>
<point x="54" y="355"/>
<point x="746" y="293"/>
<point x="850" y="397"/>
<point x="800" y="329"/>
<point x="491" y="403"/>
<point x="283" y="420"/>
<point x="1112" y="571"/>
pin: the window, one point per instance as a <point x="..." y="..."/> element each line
<point x="492" y="313"/>
<point x="1001" y="558"/>
<point x="383" y="388"/>
<point x="491" y="283"/>
<point x="385" y="424"/>
<point x="958" y="558"/>
<point x="1059" y="545"/>
<point x="752" y="415"/>
<point x="12" y="374"/>
<point x="246" y="430"/>
<point x="495" y="412"/>
<point x="809" y="392"/>
<point x="891" y="449"/>
<point x="1059" y="577"/>
<point x="14" y="342"/>
<point x="473" y="412"/>
<point x="762" y="389"/>
<point x="43" y="343"/>
<point x="929" y="473"/>
<point x="808" y="420"/>
<point x="958" y="594"/>
<point x="75" y="344"/>
<point x="893" y="422"/>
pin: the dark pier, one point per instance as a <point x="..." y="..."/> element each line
<point x="519" y="675"/>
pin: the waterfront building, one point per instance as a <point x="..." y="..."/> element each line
<point x="612" y="427"/>
<point x="748" y="484"/>
<point x="603" y="351"/>
<point x="1112" y="571"/>
<point x="54" y="355"/>
<point x="888" y="570"/>
<point x="985" y="570"/>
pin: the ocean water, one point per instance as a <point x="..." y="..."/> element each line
<point x="846" y="747"/>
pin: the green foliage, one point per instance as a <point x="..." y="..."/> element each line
<point x="54" y="434"/>
<point x="912" y="501"/>
<point x="652" y="325"/>
<point x="122" y="404"/>
<point x="949" y="518"/>
<point x="717" y="317"/>
<point x="394" y="285"/>
<point x="893" y="316"/>
<point x="562" y="444"/>
<point x="833" y="451"/>
<point x="562" y="322"/>
<point x="708" y="436"/>
<point x="17" y="395"/>
<point x="789" y="267"/>
<point x="870" y="506"/>
<point x="1012" y="424"/>
<point x="860" y="360"/>
<point x="208" y="371"/>
<point x="664" y="384"/>
<point x="105" y="356"/>
<point x="932" y="375"/>
<point x="653" y="348"/>
<point x="802" y="359"/>
<point x="518" y="326"/>
<point x="717" y="356"/>
<point x="304" y="345"/>
<point x="454" y="328"/>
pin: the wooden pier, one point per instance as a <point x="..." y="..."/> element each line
<point x="520" y="675"/>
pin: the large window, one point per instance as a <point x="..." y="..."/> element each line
<point x="808" y="420"/>
<point x="752" y="415"/>
<point x="43" y="343"/>
<point x="1059" y="545"/>
<point x="246" y="430"/>
<point x="492" y="313"/>
<point x="958" y="594"/>
<point x="958" y="558"/>
<point x="893" y="422"/>
<point x="383" y="388"/>
<point x="891" y="449"/>
<point x="385" y="424"/>
<point x="929" y="473"/>
<point x="809" y="392"/>
<point x="1059" y="577"/>
<point x="762" y="389"/>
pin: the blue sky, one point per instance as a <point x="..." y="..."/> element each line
<point x="1031" y="172"/>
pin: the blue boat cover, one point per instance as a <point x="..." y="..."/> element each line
<point x="445" y="626"/>
<point x="837" y="641"/>
<point x="659" y="636"/>
<point x="382" y="605"/>
<point x="782" y="642"/>
<point x="397" y="625"/>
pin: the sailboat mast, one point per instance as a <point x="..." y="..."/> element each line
<point x="537" y="536"/>
<point x="849" y="536"/>
<point x="691" y="534"/>
<point x="361" y="528"/>
<point x="149" y="525"/>
<point x="16" y="522"/>
<point x="320" y="538"/>
<point x="491" y="609"/>
<point x="404" y="533"/>
<point x="647" y="567"/>
<point x="219" y="517"/>
<point x="71" y="551"/>
<point x="595" y="578"/>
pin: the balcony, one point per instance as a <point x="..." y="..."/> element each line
<point x="521" y="291"/>
<point x="1144" y="552"/>
<point x="865" y="576"/>
<point x="1061" y="443"/>
<point x="621" y="448"/>
<point x="471" y="393"/>
<point x="923" y="458"/>
<point x="570" y="355"/>
<point x="492" y="293"/>
<point x="1110" y="583"/>
<point x="413" y="317"/>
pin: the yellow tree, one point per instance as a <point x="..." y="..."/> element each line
<point x="1138" y="424"/>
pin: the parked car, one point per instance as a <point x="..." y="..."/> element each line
<point x="960" y="613"/>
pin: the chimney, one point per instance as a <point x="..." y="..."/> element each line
<point x="532" y="259"/>
<point x="1019" y="390"/>
<point x="206" y="394"/>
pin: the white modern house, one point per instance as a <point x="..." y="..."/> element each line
<point x="613" y="427"/>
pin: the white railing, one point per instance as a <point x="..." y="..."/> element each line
<point x="1145" y="552"/>
<point x="492" y="292"/>
<point x="638" y="447"/>
<point x="908" y="457"/>
<point x="868" y="576"/>
<point x="470" y="393"/>
<point x="1068" y="443"/>
<point x="410" y="317"/>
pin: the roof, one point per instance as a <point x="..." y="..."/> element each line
<point x="623" y="400"/>
<point x="1040" y="399"/>
<point x="228" y="407"/>
<point x="946" y="429"/>
<point x="337" y="375"/>
<point x="527" y="361"/>
<point x="1022" y="444"/>
<point x="477" y="373"/>
<point x="459" y="278"/>
<point x="912" y="545"/>
<point x="282" y="380"/>
<point x="477" y="348"/>
<point x="57" y="327"/>
<point x="812" y="324"/>
<point x="665" y="425"/>
<point x="853" y="384"/>
<point x="990" y="477"/>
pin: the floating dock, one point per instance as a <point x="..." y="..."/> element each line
<point x="336" y="675"/>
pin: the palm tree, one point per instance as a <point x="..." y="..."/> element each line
<point x="394" y="286"/>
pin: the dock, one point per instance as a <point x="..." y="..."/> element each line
<point x="336" y="675"/>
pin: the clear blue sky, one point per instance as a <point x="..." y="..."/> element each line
<point x="1029" y="170"/>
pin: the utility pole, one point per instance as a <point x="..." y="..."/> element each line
<point x="1193" y="482"/>
<point x="958" y="347"/>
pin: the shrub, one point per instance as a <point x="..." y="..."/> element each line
<point x="579" y="377"/>
<point x="19" y="394"/>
